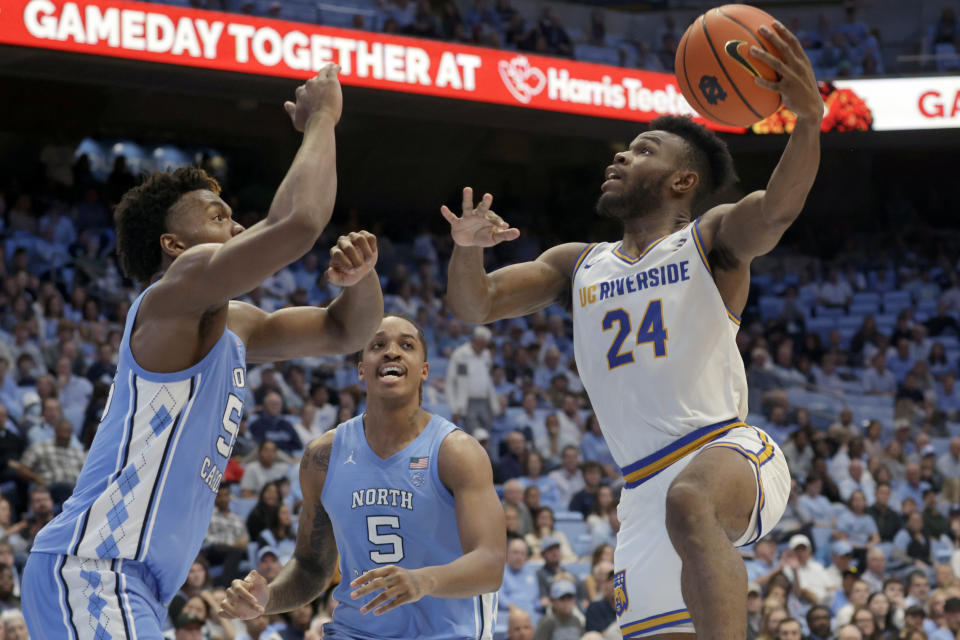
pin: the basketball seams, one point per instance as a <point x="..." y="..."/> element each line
<point x="706" y="34"/>
<point x="686" y="78"/>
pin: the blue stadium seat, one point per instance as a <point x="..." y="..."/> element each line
<point x="770" y="306"/>
<point x="243" y="506"/>
<point x="866" y="297"/>
<point x="861" y="309"/>
<point x="822" y="326"/>
<point x="829" y="312"/>
<point x="567" y="516"/>
<point x="896" y="301"/>
<point x="580" y="570"/>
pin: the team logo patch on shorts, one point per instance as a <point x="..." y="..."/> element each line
<point x="620" y="591"/>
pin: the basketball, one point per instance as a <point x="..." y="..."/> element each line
<point x="715" y="69"/>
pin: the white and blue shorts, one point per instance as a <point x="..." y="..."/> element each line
<point x="647" y="578"/>
<point x="71" y="598"/>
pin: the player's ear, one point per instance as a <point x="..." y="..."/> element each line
<point x="172" y="245"/>
<point x="360" y="366"/>
<point x="685" y="182"/>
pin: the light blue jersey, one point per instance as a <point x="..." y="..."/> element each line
<point x="146" y="492"/>
<point x="396" y="512"/>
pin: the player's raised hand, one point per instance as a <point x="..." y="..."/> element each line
<point x="319" y="94"/>
<point x="478" y="227"/>
<point x="354" y="255"/>
<point x="246" y="598"/>
<point x="396" y="585"/>
<point x="797" y="84"/>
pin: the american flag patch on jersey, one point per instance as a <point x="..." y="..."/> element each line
<point x="419" y="463"/>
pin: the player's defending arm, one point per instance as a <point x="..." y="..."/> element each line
<point x="465" y="470"/>
<point x="309" y="572"/>
<point x="298" y="214"/>
<point x="342" y="327"/>
<point x="737" y="233"/>
<point x="478" y="297"/>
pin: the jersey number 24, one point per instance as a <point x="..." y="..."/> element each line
<point x="651" y="330"/>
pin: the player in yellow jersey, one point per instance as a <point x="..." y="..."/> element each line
<point x="655" y="318"/>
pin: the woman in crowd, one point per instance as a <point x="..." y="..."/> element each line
<point x="260" y="515"/>
<point x="543" y="526"/>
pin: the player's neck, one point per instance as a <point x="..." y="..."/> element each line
<point x="389" y="426"/>
<point x="638" y="233"/>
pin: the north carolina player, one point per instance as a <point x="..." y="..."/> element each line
<point x="655" y="316"/>
<point x="407" y="500"/>
<point x="108" y="565"/>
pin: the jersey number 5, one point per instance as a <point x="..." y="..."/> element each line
<point x="651" y="330"/>
<point x="395" y="541"/>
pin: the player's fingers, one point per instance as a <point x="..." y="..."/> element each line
<point x="792" y="41"/>
<point x="359" y="241"/>
<point x="777" y="41"/>
<point x="241" y="594"/>
<point x="350" y="252"/>
<point x="371" y="242"/>
<point x="506" y="235"/>
<point x="448" y="215"/>
<point x="393" y="604"/>
<point x="767" y="84"/>
<point x="368" y="577"/>
<point x="373" y="586"/>
<point x="467" y="201"/>
<point x="381" y="598"/>
<point x="771" y="60"/>
<point x="485" y="203"/>
<point x="290" y="108"/>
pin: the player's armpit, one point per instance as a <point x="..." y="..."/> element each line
<point x="314" y="560"/>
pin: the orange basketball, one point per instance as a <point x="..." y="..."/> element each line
<point x="715" y="69"/>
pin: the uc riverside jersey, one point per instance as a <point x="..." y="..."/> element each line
<point x="146" y="492"/>
<point x="656" y="350"/>
<point x="396" y="512"/>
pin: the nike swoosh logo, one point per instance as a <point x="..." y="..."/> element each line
<point x="733" y="50"/>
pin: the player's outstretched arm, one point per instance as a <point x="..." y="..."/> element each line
<point x="754" y="226"/>
<point x="310" y="570"/>
<point x="298" y="214"/>
<point x="344" y="326"/>
<point x="465" y="470"/>
<point x="478" y="297"/>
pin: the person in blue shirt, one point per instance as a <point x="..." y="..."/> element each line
<point x="856" y="525"/>
<point x="594" y="448"/>
<point x="520" y="586"/>
<point x="407" y="500"/>
<point x="125" y="540"/>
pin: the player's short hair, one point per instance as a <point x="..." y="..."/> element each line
<point x="421" y="336"/>
<point x="141" y="218"/>
<point x="707" y="155"/>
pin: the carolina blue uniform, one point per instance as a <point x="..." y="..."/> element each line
<point x="396" y="512"/>
<point x="107" y="566"/>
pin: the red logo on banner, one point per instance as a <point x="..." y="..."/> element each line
<point x="520" y="79"/>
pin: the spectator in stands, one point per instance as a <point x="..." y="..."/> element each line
<point x="279" y="533"/>
<point x="41" y="512"/>
<point x="511" y="517"/>
<point x="470" y="391"/>
<point x="584" y="500"/>
<point x="912" y="545"/>
<point x="512" y="461"/>
<point x="808" y="577"/>
<point x="849" y="632"/>
<point x="75" y="393"/>
<point x="857" y="599"/>
<point x="934" y="522"/>
<point x="913" y="485"/>
<point x="424" y="25"/>
<point x="878" y="380"/>
<point x="519" y="626"/>
<point x="763" y="565"/>
<point x="14" y="625"/>
<point x="54" y="463"/>
<point x="602" y="613"/>
<point x="798" y="452"/>
<point x="262" y="471"/>
<point x="104" y="367"/>
<point x="873" y="569"/>
<point x="593" y="581"/>
<point x="789" y="629"/>
<point x="948" y="464"/>
<point x="531" y="498"/>
<point x="942" y="323"/>
<point x="879" y="606"/>
<point x="259" y="516"/>
<point x="545" y="533"/>
<point x="835" y="292"/>
<point x="841" y="574"/>
<point x="667" y="53"/>
<point x="513" y="497"/>
<point x="562" y="619"/>
<point x="594" y="447"/>
<point x="568" y="478"/>
<point x="551" y="445"/>
<point x="887" y="519"/>
<point x="520" y="588"/>
<point x="858" y="479"/>
<point x="226" y="540"/>
<point x="533" y="476"/>
<point x="818" y="621"/>
<point x="558" y="42"/>
<point x="272" y="426"/>
<point x="601" y="517"/>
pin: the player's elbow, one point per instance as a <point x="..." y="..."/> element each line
<point x="493" y="576"/>
<point x="464" y="309"/>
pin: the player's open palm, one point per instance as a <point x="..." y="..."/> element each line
<point x="353" y="257"/>
<point x="797" y="84"/>
<point x="396" y="586"/>
<point x="478" y="227"/>
<point x="319" y="94"/>
<point x="247" y="598"/>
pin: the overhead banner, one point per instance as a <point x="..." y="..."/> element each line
<point x="247" y="44"/>
<point x="909" y="103"/>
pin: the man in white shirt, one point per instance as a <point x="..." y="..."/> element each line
<point x="834" y="292"/>
<point x="571" y="424"/>
<point x="470" y="390"/>
<point x="568" y="478"/>
<point x="878" y="380"/>
<point x="75" y="393"/>
<point x="266" y="468"/>
<point x="810" y="580"/>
